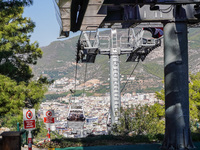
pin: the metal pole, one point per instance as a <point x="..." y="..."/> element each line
<point x="115" y="97"/>
<point x="177" y="130"/>
<point x="48" y="134"/>
<point x="18" y="126"/>
<point x="29" y="140"/>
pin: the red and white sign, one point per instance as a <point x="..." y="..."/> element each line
<point x="29" y="119"/>
<point x="48" y="116"/>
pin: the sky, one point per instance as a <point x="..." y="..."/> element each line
<point x="47" y="29"/>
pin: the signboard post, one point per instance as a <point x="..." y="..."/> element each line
<point x="29" y="140"/>
<point x="48" y="119"/>
<point x="29" y="124"/>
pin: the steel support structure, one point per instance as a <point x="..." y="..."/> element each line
<point x="177" y="130"/>
<point x="115" y="96"/>
<point x="133" y="45"/>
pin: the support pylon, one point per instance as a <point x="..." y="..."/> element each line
<point x="115" y="97"/>
<point x="177" y="128"/>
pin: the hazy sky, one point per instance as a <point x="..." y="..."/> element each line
<point x="47" y="29"/>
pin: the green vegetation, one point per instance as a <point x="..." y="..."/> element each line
<point x="107" y="140"/>
<point x="43" y="132"/>
<point x="54" y="96"/>
<point x="194" y="94"/>
<point x="16" y="51"/>
<point x="103" y="89"/>
<point x="152" y="89"/>
<point x="17" y="88"/>
<point x="100" y="140"/>
<point x="150" y="120"/>
<point x="141" y="120"/>
<point x="194" y="99"/>
<point x="154" y="69"/>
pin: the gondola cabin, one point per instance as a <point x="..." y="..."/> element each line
<point x="76" y="117"/>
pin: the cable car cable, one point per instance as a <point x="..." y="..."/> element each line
<point x="75" y="76"/>
<point x="85" y="77"/>
<point x="129" y="76"/>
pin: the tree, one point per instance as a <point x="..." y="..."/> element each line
<point x="141" y="120"/>
<point x="194" y="99"/>
<point x="194" y="94"/>
<point x="14" y="96"/>
<point x="149" y="120"/>
<point x="16" y="51"/>
<point x="17" y="89"/>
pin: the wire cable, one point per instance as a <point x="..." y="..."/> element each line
<point x="166" y="10"/>
<point x="129" y="76"/>
<point x="85" y="77"/>
<point x="75" y="76"/>
<point x="57" y="13"/>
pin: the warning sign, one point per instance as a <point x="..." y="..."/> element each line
<point x="48" y="113"/>
<point x="29" y="119"/>
<point x="48" y="116"/>
<point x="29" y="114"/>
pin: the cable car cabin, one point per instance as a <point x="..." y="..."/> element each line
<point x="76" y="113"/>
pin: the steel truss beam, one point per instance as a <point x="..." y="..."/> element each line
<point x="90" y="15"/>
<point x="129" y="15"/>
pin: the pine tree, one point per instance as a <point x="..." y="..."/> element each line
<point x="16" y="51"/>
<point x="17" y="89"/>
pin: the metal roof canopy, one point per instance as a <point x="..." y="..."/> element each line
<point x="87" y="15"/>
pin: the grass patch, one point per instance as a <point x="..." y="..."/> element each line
<point x="102" y="140"/>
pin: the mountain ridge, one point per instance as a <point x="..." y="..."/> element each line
<point x="59" y="61"/>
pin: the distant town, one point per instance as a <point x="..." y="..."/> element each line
<point x="96" y="108"/>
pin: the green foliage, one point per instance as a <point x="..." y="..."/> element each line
<point x="194" y="99"/>
<point x="141" y="120"/>
<point x="17" y="89"/>
<point x="42" y="132"/>
<point x="16" y="51"/>
<point x="14" y="97"/>
<point x="194" y="94"/>
<point x="160" y="95"/>
<point x="102" y="89"/>
<point x="54" y="96"/>
<point x="14" y="3"/>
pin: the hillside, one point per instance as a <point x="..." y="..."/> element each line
<point x="59" y="61"/>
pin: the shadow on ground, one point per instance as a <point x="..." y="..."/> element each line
<point x="111" y="142"/>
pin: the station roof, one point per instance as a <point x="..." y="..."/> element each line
<point x="87" y="15"/>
